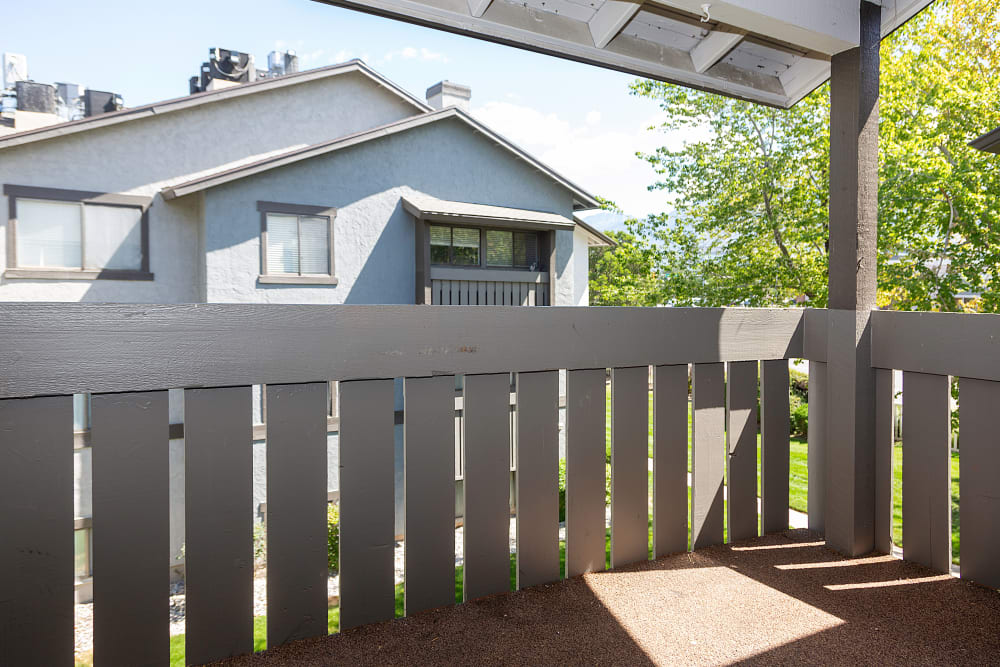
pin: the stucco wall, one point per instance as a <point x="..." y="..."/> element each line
<point x="373" y="235"/>
<point x="143" y="156"/>
<point x="581" y="268"/>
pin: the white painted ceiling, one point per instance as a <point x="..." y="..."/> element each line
<point x="769" y="51"/>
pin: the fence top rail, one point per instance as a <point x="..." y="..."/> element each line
<point x="961" y="344"/>
<point x="71" y="348"/>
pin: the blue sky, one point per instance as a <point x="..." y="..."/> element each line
<point x="579" y="119"/>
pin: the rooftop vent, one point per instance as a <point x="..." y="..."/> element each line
<point x="448" y="94"/>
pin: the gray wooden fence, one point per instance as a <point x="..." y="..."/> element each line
<point x="127" y="355"/>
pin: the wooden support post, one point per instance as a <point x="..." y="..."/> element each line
<point x="850" y="442"/>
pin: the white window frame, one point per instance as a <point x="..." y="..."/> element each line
<point x="300" y="210"/>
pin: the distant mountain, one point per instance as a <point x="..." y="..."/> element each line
<point x="606" y="221"/>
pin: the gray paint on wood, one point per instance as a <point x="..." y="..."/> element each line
<point x="926" y="471"/>
<point x="63" y="348"/>
<point x="883" y="459"/>
<point x="585" y="470"/>
<point x="980" y="508"/>
<point x="429" y="482"/>
<point x="817" y="447"/>
<point x="960" y="344"/>
<point x="850" y="442"/>
<point x="774" y="454"/>
<point x="36" y="552"/>
<point x="296" y="511"/>
<point x="741" y="438"/>
<point x="486" y="441"/>
<point x="670" y="443"/>
<point x="367" y="502"/>
<point x="814" y="334"/>
<point x="218" y="523"/>
<point x="131" y="536"/>
<point x="708" y="455"/>
<point x="629" y="465"/>
<point x="537" y="488"/>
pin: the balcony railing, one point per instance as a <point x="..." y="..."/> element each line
<point x="127" y="356"/>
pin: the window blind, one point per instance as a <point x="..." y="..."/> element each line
<point x="113" y="237"/>
<point x="48" y="234"/>
<point x="282" y="243"/>
<point x="314" y="245"/>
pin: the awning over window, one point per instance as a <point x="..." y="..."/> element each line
<point x="431" y="209"/>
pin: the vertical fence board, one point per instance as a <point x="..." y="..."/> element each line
<point x="774" y="454"/>
<point x="296" y="511"/>
<point x="367" y="502"/>
<point x="131" y="528"/>
<point x="218" y="523"/>
<point x="486" y="425"/>
<point x="629" y="466"/>
<point x="537" y="478"/>
<point x="708" y="458"/>
<point x="36" y="517"/>
<point x="585" y="470"/>
<point x="817" y="446"/>
<point x="926" y="471"/>
<point x="429" y="482"/>
<point x="883" y="460"/>
<point x="741" y="462"/>
<point x="980" y="509"/>
<point x="670" y="437"/>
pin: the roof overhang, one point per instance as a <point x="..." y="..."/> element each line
<point x="989" y="142"/>
<point x="595" y="237"/>
<point x="432" y="209"/>
<point x="774" y="52"/>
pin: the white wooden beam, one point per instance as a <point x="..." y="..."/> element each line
<point x="478" y="7"/>
<point x="714" y="47"/>
<point x="609" y="20"/>
<point x="805" y="74"/>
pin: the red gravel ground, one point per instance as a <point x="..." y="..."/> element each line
<point x="779" y="599"/>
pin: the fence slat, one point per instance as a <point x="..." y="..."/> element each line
<point x="429" y="469"/>
<point x="741" y="438"/>
<point x="926" y="471"/>
<point x="883" y="459"/>
<point x="629" y="467"/>
<point x="817" y="446"/>
<point x="774" y="453"/>
<point x="218" y="523"/>
<point x="131" y="528"/>
<point x="486" y="425"/>
<point x="296" y="511"/>
<point x="980" y="470"/>
<point x="36" y="494"/>
<point x="367" y="502"/>
<point x="708" y="456"/>
<point x="670" y="437"/>
<point x="537" y="478"/>
<point x="585" y="471"/>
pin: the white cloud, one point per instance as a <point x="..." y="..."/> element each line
<point x="599" y="158"/>
<point x="414" y="53"/>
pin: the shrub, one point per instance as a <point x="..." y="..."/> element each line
<point x="799" y="419"/>
<point x="333" y="536"/>
<point x="562" y="489"/>
<point x="798" y="384"/>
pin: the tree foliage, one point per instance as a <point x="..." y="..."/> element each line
<point x="750" y="189"/>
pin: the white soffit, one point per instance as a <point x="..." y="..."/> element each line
<point x="773" y="52"/>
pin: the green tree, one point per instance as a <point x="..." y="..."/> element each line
<point x="624" y="275"/>
<point x="750" y="213"/>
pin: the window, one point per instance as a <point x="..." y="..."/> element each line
<point x="296" y="244"/>
<point x="69" y="234"/>
<point x="518" y="250"/>
<point x="454" y="245"/>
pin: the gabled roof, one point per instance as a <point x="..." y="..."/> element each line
<point x="207" y="97"/>
<point x="768" y="51"/>
<point x="582" y="199"/>
<point x="989" y="142"/>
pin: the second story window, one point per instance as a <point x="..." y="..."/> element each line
<point x="296" y="244"/>
<point x="509" y="249"/>
<point x="68" y="234"/>
<point x="458" y="246"/>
